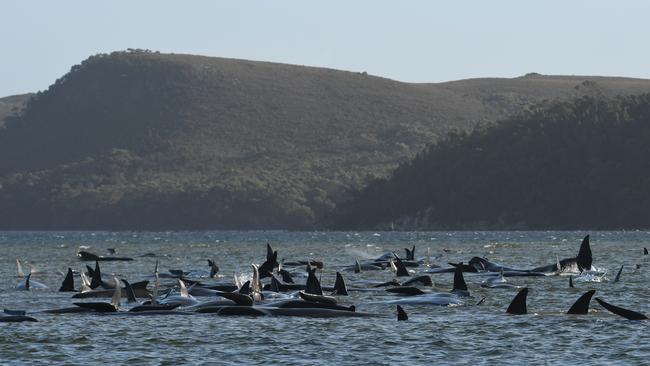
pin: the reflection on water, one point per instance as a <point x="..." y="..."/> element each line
<point x="465" y="334"/>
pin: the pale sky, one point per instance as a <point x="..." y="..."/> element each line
<point x="414" y="41"/>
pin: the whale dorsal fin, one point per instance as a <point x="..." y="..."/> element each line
<point x="558" y="265"/>
<point x="401" y="314"/>
<point x="625" y="313"/>
<point x="339" y="286"/>
<point x="584" y="258"/>
<point x="313" y="284"/>
<point x="645" y="251"/>
<point x="357" y="266"/>
<point x="518" y="304"/>
<point x="27" y="281"/>
<point x="68" y="282"/>
<point x="401" y="269"/>
<point x="618" y="275"/>
<point x="571" y="281"/>
<point x="459" y="280"/>
<point x="245" y="288"/>
<point x="214" y="269"/>
<point x="130" y="294"/>
<point x="19" y="266"/>
<point x="581" y="306"/>
<point x="96" y="280"/>
<point x="502" y="279"/>
<point x="269" y="251"/>
<point x="117" y="293"/>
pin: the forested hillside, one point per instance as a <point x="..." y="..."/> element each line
<point x="143" y="140"/>
<point x="565" y="165"/>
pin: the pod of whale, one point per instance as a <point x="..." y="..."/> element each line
<point x="273" y="290"/>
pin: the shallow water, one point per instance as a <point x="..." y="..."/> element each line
<point x="461" y="334"/>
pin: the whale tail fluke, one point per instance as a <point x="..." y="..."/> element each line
<point x="339" y="286"/>
<point x="401" y="314"/>
<point x="68" y="282"/>
<point x="518" y="304"/>
<point x="581" y="306"/>
<point x="584" y="258"/>
<point x="625" y="313"/>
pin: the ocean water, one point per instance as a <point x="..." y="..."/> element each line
<point x="466" y="334"/>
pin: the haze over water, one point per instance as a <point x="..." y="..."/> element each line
<point x="464" y="334"/>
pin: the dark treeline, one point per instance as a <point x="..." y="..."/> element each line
<point x="578" y="164"/>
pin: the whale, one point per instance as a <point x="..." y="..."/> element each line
<point x="625" y="313"/>
<point x="87" y="256"/>
<point x="29" y="284"/>
<point x="104" y="307"/>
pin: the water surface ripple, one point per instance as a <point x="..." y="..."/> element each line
<point x="482" y="335"/>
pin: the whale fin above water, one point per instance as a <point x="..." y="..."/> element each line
<point x="459" y="280"/>
<point x="401" y="314"/>
<point x="96" y="279"/>
<point x="518" y="304"/>
<point x="214" y="269"/>
<point x="313" y="284"/>
<point x="130" y="294"/>
<point x="618" y="275"/>
<point x="19" y="267"/>
<point x="269" y="251"/>
<point x="117" y="293"/>
<point x="410" y="254"/>
<point x="245" y="288"/>
<point x="68" y="282"/>
<point x="238" y="298"/>
<point x="27" y="281"/>
<point x="401" y="268"/>
<point x="584" y="258"/>
<point x="339" y="286"/>
<point x="571" y="282"/>
<point x="625" y="313"/>
<point x="266" y="269"/>
<point x="357" y="266"/>
<point x="645" y="251"/>
<point x="85" y="283"/>
<point x="581" y="306"/>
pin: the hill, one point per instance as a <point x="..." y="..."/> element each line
<point x="12" y="105"/>
<point x="143" y="140"/>
<point x="578" y="164"/>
